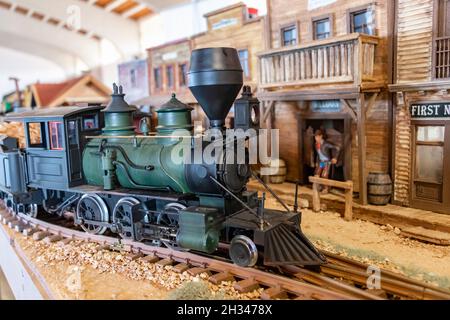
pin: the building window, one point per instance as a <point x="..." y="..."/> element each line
<point x="169" y="76"/>
<point x="441" y="48"/>
<point x="133" y="78"/>
<point x="322" y="28"/>
<point x="158" y="79"/>
<point x="182" y="69"/>
<point x="429" y="162"/>
<point x="289" y="35"/>
<point x="36" y="135"/>
<point x="243" y="57"/>
<point x="363" y="21"/>
<point x="56" y="135"/>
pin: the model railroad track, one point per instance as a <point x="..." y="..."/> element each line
<point x="392" y="285"/>
<point x="342" y="278"/>
<point x="247" y="279"/>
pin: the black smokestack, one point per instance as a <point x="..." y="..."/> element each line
<point x="215" y="79"/>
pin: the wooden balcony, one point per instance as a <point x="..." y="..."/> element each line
<point x="347" y="59"/>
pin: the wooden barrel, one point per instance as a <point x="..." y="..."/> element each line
<point x="379" y="188"/>
<point x="280" y="175"/>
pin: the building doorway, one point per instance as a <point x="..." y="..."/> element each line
<point x="430" y="182"/>
<point x="337" y="128"/>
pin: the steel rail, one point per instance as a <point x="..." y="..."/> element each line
<point x="291" y="286"/>
<point x="390" y="282"/>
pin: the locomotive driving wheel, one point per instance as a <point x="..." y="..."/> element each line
<point x="169" y="218"/>
<point x="122" y="216"/>
<point x="243" y="251"/>
<point x="92" y="208"/>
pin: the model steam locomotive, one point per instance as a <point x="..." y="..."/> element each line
<point x="90" y="161"/>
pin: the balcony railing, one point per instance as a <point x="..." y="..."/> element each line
<point x="343" y="59"/>
<point x="442" y="58"/>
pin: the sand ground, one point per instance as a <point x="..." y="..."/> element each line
<point x="378" y="245"/>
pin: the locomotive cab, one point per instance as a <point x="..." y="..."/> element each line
<point x="51" y="158"/>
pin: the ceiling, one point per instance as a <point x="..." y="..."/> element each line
<point x="47" y="25"/>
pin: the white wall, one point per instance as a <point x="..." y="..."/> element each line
<point x="29" y="69"/>
<point x="169" y="25"/>
<point x="186" y="20"/>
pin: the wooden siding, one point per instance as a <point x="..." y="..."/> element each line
<point x="244" y="34"/>
<point x="414" y="42"/>
<point x="172" y="54"/>
<point x="286" y="115"/>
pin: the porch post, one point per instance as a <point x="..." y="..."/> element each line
<point x="362" y="149"/>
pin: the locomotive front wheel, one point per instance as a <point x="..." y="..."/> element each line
<point x="92" y="207"/>
<point x="243" y="251"/>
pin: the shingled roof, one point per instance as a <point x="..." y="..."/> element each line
<point x="55" y="94"/>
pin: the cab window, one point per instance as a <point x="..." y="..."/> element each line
<point x="72" y="133"/>
<point x="36" y="135"/>
<point x="90" y="122"/>
<point x="56" y="130"/>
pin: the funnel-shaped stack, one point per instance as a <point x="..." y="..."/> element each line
<point x="215" y="79"/>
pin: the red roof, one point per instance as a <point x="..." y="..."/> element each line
<point x="48" y="92"/>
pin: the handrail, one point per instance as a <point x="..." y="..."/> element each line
<point x="320" y="43"/>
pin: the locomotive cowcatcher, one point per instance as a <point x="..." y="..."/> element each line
<point x="90" y="162"/>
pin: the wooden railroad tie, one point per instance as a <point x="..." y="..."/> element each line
<point x="28" y="232"/>
<point x="221" y="277"/>
<point x="64" y="242"/>
<point x="197" y="271"/>
<point x="41" y="235"/>
<point x="52" y="239"/>
<point x="135" y="256"/>
<point x="274" y="293"/>
<point x="181" y="267"/>
<point x="165" y="262"/>
<point x="150" y="259"/>
<point x="247" y="285"/>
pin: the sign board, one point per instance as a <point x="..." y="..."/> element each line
<point x="432" y="110"/>
<point x="224" y="23"/>
<point x="326" y="106"/>
<point x="314" y="4"/>
<point x="170" y="56"/>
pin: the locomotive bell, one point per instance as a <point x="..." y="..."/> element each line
<point x="119" y="115"/>
<point x="215" y="79"/>
<point x="174" y="115"/>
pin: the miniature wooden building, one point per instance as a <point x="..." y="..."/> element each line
<point x="77" y="91"/>
<point x="239" y="27"/>
<point x="168" y="68"/>
<point x="422" y="105"/>
<point x="169" y="65"/>
<point x="328" y="69"/>
<point x="134" y="79"/>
